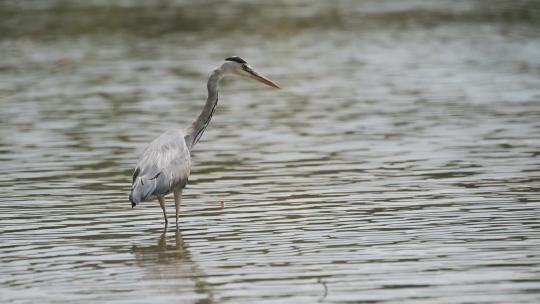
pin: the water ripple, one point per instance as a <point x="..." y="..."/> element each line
<point x="403" y="168"/>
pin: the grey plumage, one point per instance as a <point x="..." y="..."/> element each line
<point x="165" y="164"/>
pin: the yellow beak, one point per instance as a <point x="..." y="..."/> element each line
<point x="262" y="79"/>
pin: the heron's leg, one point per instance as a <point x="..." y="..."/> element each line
<point x="161" y="200"/>
<point x="177" y="200"/>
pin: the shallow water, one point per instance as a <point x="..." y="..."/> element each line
<point x="399" y="163"/>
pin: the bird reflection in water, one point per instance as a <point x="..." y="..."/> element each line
<point x="168" y="266"/>
<point x="164" y="251"/>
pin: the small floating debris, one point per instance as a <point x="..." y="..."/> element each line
<point x="221" y="204"/>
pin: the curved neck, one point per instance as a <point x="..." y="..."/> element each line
<point x="195" y="131"/>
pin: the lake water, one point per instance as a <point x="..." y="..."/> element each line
<point x="399" y="163"/>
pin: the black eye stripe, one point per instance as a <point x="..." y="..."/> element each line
<point x="235" y="59"/>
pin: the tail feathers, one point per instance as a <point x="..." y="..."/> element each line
<point x="142" y="189"/>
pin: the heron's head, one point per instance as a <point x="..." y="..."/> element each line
<point x="238" y="66"/>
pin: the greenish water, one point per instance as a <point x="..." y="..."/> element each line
<point x="398" y="164"/>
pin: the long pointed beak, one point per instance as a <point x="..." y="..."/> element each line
<point x="263" y="79"/>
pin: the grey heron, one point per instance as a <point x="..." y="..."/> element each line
<point x="165" y="164"/>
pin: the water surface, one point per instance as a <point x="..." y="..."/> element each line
<point x="399" y="163"/>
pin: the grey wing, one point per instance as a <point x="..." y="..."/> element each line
<point x="167" y="161"/>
